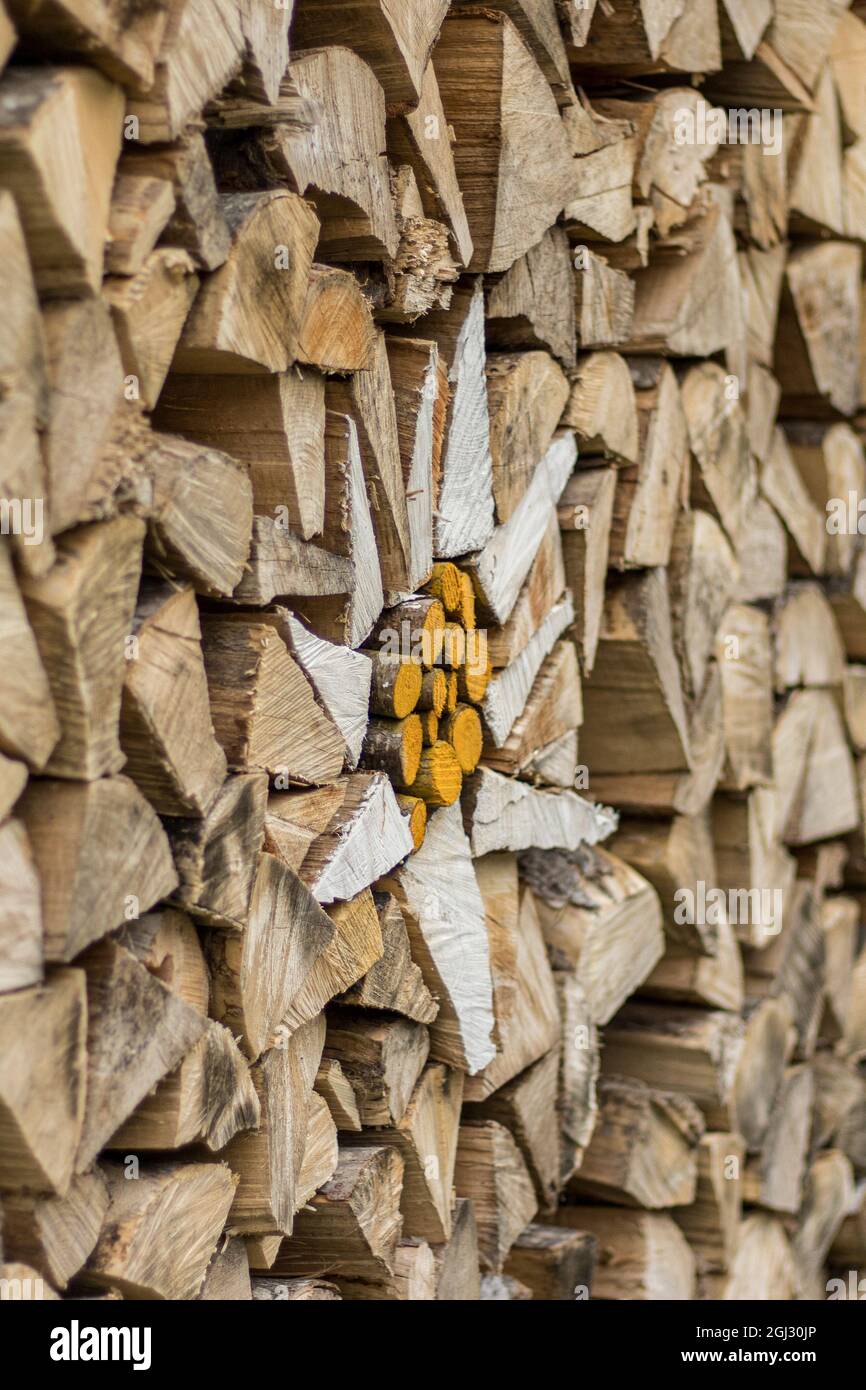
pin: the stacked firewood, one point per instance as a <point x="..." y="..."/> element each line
<point x="433" y="742"/>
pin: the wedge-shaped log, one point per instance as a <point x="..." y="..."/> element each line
<point x="137" y="1032"/>
<point x="81" y="612"/>
<point x="635" y="683"/>
<point x="490" y="1171"/>
<point x="63" y="202"/>
<point x="395" y="982"/>
<point x="206" y="1100"/>
<point x="273" y="424"/>
<point x="42" y="1083"/>
<point x="165" y="698"/>
<point x="268" y="1160"/>
<point x="216" y="857"/>
<point x="232" y="330"/>
<point x="444" y="913"/>
<point x="257" y="975"/>
<point x="600" y="918"/>
<point x="381" y="1058"/>
<point x="353" y="1229"/>
<point x="511" y="197"/>
<point x="396" y="44"/>
<point x="161" y="1230"/>
<point x="102" y="858"/>
<point x="264" y="712"/>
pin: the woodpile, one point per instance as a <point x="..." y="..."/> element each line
<point x="433" y="742"/>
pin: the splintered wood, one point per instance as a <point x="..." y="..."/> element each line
<point x="433" y="709"/>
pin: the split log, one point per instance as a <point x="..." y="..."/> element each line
<point x="444" y="913"/>
<point x="677" y="856"/>
<point x="55" y="1235"/>
<point x="553" y="706"/>
<point x="396" y="46"/>
<point x="395" y="982"/>
<point x="141" y="206"/>
<point x="648" y="492"/>
<point x="348" y="533"/>
<point x="635" y="678"/>
<point x="747" y="697"/>
<point x="216" y="857"/>
<point x="364" y="838"/>
<point x="256" y="976"/>
<point x="275" y="425"/>
<point x="86" y="377"/>
<point x="712" y="1223"/>
<point x="426" y="1138"/>
<point x="601" y="919"/>
<point x="137" y="1032"/>
<point x="264" y="711"/>
<point x="189" y="72"/>
<point x="526" y="1106"/>
<point x="774" y="1179"/>
<point x="556" y="1264"/>
<point x="578" y="1073"/>
<point x="763" y="1266"/>
<point x="227" y="1278"/>
<point x="532" y="305"/>
<point x="353" y="1228"/>
<point x="64" y="204"/>
<point x="149" y="312"/>
<point x="340" y="164"/>
<point x="601" y="408"/>
<point x="420" y="399"/>
<point x="504" y="814"/>
<point x="207" y="1099"/>
<point x="816" y="335"/>
<point x="188" y="1200"/>
<point x="604" y="300"/>
<point x="526" y="395"/>
<point x="701" y="575"/>
<point x="490" y="1171"/>
<point x="268" y="1160"/>
<point x="42" y="1083"/>
<point x="102" y="858"/>
<point x="499" y="570"/>
<point x="524" y="996"/>
<point x="643" y="1150"/>
<point x="509" y="689"/>
<point x="81" y="613"/>
<point x="336" y="332"/>
<point x="641" y="1256"/>
<point x="165" y="695"/>
<point x="198" y="224"/>
<point x="500" y="173"/>
<point x="783" y="486"/>
<point x="355" y="946"/>
<point x="337" y="1091"/>
<point x="369" y="399"/>
<point x="381" y="1058"/>
<point x="273" y="239"/>
<point x="457" y="1273"/>
<point x="724" y="480"/>
<point x="29" y="726"/>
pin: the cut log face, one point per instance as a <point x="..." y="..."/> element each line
<point x="137" y="1032"/>
<point x="510" y="196"/>
<point x="42" y="1082"/>
<point x="273" y="239"/>
<point x="165" y="693"/>
<point x="216" y="857"/>
<point x="191" y="1199"/>
<point x="491" y="1172"/>
<point x="64" y="204"/>
<point x="526" y="394"/>
<point x="81" y="613"/>
<point x="643" y="1150"/>
<point x="532" y="305"/>
<point x="102" y="858"/>
<point x="396" y="43"/>
<point x="273" y="424"/>
<point x="395" y="982"/>
<point x="600" y="919"/>
<point x="256" y="976"/>
<point x="643" y="728"/>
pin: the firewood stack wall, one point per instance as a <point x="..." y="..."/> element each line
<point x="433" y="736"/>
